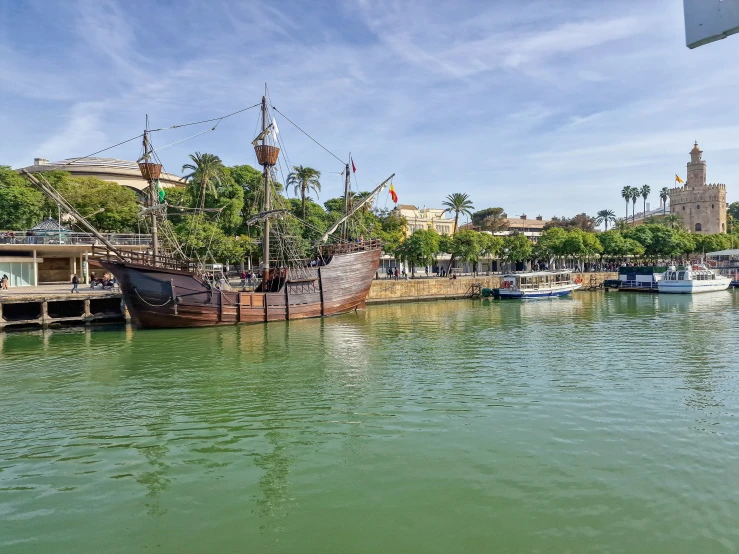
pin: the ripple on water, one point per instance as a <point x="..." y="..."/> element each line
<point x="600" y="422"/>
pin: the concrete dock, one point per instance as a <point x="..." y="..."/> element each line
<point x="54" y="305"/>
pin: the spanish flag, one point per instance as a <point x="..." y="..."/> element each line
<point x="393" y="194"/>
<point x="678" y="179"/>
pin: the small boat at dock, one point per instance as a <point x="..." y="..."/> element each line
<point x="692" y="280"/>
<point x="636" y="279"/>
<point x="537" y="284"/>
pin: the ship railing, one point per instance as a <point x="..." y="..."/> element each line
<point x="348" y="247"/>
<point x="144" y="258"/>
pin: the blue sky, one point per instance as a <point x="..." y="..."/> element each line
<point x="541" y="107"/>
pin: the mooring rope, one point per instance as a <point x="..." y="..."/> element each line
<point x="150" y="304"/>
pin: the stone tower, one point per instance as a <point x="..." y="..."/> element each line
<point x="702" y="207"/>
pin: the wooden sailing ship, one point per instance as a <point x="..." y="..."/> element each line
<point x="169" y="291"/>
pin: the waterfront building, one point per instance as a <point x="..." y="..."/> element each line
<point x="123" y="172"/>
<point x="531" y="228"/>
<point x="701" y="206"/>
<point x="425" y="219"/>
<point x="52" y="253"/>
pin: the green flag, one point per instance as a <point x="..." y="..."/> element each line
<point x="160" y="191"/>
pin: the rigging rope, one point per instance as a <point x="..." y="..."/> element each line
<point x="103" y="150"/>
<point x="205" y="120"/>
<point x="307" y="135"/>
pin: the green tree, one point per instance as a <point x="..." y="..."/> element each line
<point x="251" y="182"/>
<point x="640" y="234"/>
<point x="633" y="248"/>
<point x="205" y="241"/>
<point x="459" y="203"/>
<point x="108" y="206"/>
<point x="634" y="196"/>
<point x="550" y="244"/>
<point x="494" y="220"/>
<point x="664" y="194"/>
<point x="467" y="246"/>
<point x="517" y="248"/>
<point x="391" y="231"/>
<point x="419" y="249"/>
<point x="490" y="245"/>
<point x="303" y="180"/>
<point x="613" y="244"/>
<point x="605" y="216"/>
<point x="21" y="204"/>
<point x="626" y="195"/>
<point x="206" y="174"/>
<point x="644" y="191"/>
<point x="711" y="243"/>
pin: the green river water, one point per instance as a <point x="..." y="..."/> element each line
<point x="600" y="423"/>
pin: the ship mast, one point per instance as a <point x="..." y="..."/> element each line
<point x="151" y="172"/>
<point x="267" y="191"/>
<point x="267" y="158"/>
<point x="152" y="197"/>
<point x="346" y="199"/>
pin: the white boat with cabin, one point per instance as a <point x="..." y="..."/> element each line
<point x="537" y="284"/>
<point x="692" y="280"/>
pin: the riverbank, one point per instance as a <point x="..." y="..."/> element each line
<point x="385" y="291"/>
<point x="54" y="305"/>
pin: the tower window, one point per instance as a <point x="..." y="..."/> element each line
<point x="698" y="227"/>
<point x="697" y="206"/>
<point x="683" y="208"/>
<point x="723" y="227"/>
<point x="713" y="206"/>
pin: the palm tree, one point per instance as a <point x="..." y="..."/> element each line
<point x="626" y="195"/>
<point x="605" y="216"/>
<point x="634" y="195"/>
<point x="645" y="190"/>
<point x="206" y="171"/>
<point x="664" y="194"/>
<point x="459" y="203"/>
<point x="303" y="179"/>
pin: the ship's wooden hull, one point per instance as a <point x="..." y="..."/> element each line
<point x="168" y="298"/>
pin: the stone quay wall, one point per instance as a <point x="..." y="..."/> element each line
<point x="389" y="290"/>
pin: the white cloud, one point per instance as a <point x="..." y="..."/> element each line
<point x="537" y="106"/>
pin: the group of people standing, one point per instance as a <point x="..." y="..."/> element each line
<point x="248" y="278"/>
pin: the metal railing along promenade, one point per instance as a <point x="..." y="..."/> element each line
<point x="73" y="239"/>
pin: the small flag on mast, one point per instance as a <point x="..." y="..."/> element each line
<point x="275" y="130"/>
<point x="354" y="167"/>
<point x="393" y="194"/>
<point x="678" y="179"/>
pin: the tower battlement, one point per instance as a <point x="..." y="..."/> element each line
<point x="700" y="205"/>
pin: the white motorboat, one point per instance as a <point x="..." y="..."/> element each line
<point x="692" y="280"/>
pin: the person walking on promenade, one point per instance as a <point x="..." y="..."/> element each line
<point x="243" y="279"/>
<point x="396" y="273"/>
<point x="4" y="282"/>
<point x="75" y="283"/>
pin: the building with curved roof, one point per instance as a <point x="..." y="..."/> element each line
<point x="123" y="172"/>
